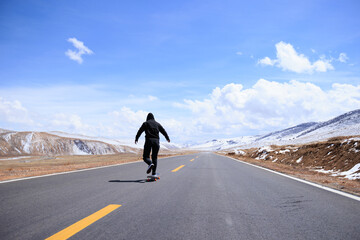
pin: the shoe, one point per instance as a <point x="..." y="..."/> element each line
<point x="155" y="175"/>
<point x="149" y="168"/>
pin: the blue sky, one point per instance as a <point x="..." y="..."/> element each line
<point x="206" y="69"/>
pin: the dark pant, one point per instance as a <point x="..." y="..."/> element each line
<point x="151" y="145"/>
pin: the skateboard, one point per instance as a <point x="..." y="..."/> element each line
<point x="150" y="178"/>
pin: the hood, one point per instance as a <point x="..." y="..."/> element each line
<point x="150" y="116"/>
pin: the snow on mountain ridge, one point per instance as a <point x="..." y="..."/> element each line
<point x="288" y="132"/>
<point x="114" y="142"/>
<point x="347" y="124"/>
<point x="344" y="119"/>
<point x="42" y="143"/>
<point x="59" y="143"/>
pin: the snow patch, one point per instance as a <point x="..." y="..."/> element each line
<point x="332" y="172"/>
<point x="266" y="149"/>
<point x="8" y="136"/>
<point x="18" y="150"/>
<point x="78" y="151"/>
<point x="14" y="158"/>
<point x="284" y="151"/>
<point x="239" y="152"/>
<point x="27" y="143"/>
<point x="354" y="150"/>
<point x="353" y="173"/>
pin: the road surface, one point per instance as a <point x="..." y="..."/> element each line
<point x="199" y="196"/>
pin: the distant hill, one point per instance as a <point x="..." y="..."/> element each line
<point x="42" y="143"/>
<point x="347" y="124"/>
<point x="14" y="143"/>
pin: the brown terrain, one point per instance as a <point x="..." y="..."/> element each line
<point x="45" y="144"/>
<point x="29" y="166"/>
<point x="26" y="154"/>
<point x="321" y="162"/>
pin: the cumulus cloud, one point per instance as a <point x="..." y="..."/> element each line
<point x="270" y="105"/>
<point x="126" y="122"/>
<point x="14" y="112"/>
<point x="71" y="123"/>
<point x="152" y="98"/>
<point x="267" y="61"/>
<point x="130" y="116"/>
<point x="343" y="57"/>
<point x="81" y="50"/>
<point x="289" y="60"/>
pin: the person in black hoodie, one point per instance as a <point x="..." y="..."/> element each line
<point x="152" y="129"/>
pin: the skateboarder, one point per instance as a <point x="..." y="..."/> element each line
<point x="152" y="129"/>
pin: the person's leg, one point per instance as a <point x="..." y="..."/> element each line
<point x="155" y="150"/>
<point x="146" y="153"/>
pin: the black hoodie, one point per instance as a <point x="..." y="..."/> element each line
<point x="151" y="128"/>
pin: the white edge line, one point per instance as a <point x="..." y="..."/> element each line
<point x="301" y="180"/>
<point x="81" y="170"/>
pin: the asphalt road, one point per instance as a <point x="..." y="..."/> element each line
<point x="211" y="197"/>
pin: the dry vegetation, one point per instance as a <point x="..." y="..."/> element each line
<point x="41" y="165"/>
<point x="337" y="154"/>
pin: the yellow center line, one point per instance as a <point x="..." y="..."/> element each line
<point x="80" y="225"/>
<point x="192" y="159"/>
<point x="178" y="168"/>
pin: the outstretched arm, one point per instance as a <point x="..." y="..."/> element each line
<point x="162" y="130"/>
<point x="141" y="129"/>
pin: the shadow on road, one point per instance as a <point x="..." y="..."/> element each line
<point x="129" y="181"/>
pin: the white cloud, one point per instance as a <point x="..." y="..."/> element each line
<point x="270" y="105"/>
<point x="129" y="116"/>
<point x="343" y="57"/>
<point x="289" y="60"/>
<point x="322" y="66"/>
<point x="123" y="124"/>
<point x="230" y="109"/>
<point x="14" y="112"/>
<point x="71" y="123"/>
<point x="126" y="122"/>
<point x="81" y="50"/>
<point x="267" y="61"/>
<point x="152" y="98"/>
<point x="85" y="109"/>
<point x="239" y="53"/>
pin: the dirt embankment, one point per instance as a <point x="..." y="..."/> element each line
<point x="334" y="163"/>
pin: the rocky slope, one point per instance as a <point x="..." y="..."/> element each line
<point x="41" y="143"/>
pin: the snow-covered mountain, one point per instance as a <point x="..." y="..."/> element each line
<point x="127" y="143"/>
<point x="41" y="143"/>
<point x="343" y="125"/>
<point x="14" y="143"/>
<point x="60" y="143"/>
<point x="347" y="124"/>
<point x="218" y="144"/>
